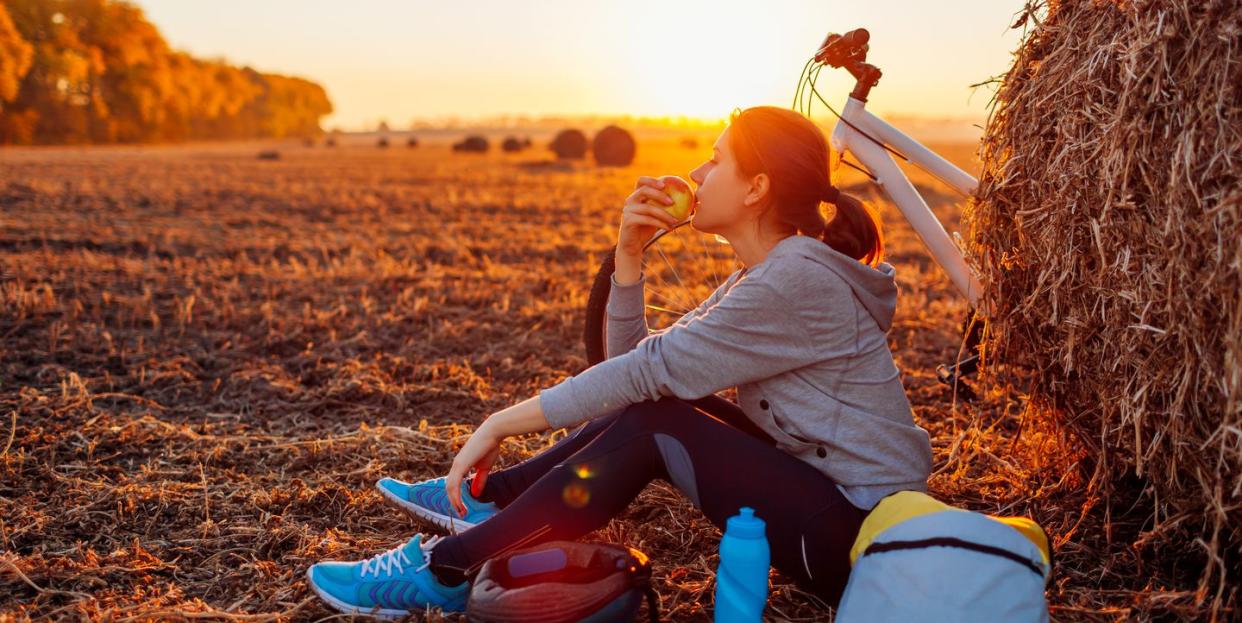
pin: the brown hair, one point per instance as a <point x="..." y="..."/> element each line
<point x="792" y="150"/>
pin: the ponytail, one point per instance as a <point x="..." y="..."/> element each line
<point x="855" y="231"/>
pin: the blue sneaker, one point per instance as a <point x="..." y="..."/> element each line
<point x="387" y="585"/>
<point x="427" y="500"/>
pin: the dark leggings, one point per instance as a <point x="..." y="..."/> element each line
<point x="721" y="462"/>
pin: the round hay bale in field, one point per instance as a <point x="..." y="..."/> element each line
<point x="569" y="144"/>
<point x="1106" y="231"/>
<point x="411" y="142"/>
<point x="689" y="142"/>
<point x="526" y="142"/>
<point x="382" y="143"/>
<point x="613" y="147"/>
<point x="474" y="144"/>
<point x="269" y="154"/>
<point x="512" y="144"/>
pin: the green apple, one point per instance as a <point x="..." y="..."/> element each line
<point x="680" y="192"/>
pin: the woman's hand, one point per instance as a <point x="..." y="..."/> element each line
<point x="483" y="447"/>
<point x="480" y="452"/>
<point x="642" y="216"/>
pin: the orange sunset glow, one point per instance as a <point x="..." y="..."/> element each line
<point x="620" y="310"/>
<point x="400" y="61"/>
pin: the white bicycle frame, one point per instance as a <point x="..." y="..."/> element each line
<point x="897" y="186"/>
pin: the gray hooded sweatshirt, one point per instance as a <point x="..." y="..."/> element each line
<point x="802" y="337"/>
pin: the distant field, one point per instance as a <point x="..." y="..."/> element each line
<point x="208" y="360"/>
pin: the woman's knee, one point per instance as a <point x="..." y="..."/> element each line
<point x="652" y="414"/>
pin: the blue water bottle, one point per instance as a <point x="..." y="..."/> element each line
<point x="742" y="577"/>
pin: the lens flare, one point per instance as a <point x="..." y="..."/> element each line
<point x="583" y="471"/>
<point x="576" y="495"/>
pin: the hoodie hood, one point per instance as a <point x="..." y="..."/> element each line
<point x="874" y="288"/>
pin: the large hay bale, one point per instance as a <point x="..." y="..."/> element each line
<point x="569" y="144"/>
<point x="613" y="147"/>
<point x="1106" y="231"/>
<point x="512" y="144"/>
<point x="473" y="144"/>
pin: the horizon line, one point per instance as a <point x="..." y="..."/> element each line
<point x="516" y="120"/>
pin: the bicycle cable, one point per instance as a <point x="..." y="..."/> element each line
<point x="798" y="91"/>
<point x="806" y="109"/>
<point x="811" y="76"/>
<point x="810" y="81"/>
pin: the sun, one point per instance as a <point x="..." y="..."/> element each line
<point x="701" y="63"/>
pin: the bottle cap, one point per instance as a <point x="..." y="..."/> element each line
<point x="745" y="525"/>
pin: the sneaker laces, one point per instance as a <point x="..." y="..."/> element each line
<point x="385" y="562"/>
<point x="426" y="549"/>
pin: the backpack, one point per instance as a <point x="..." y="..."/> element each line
<point x="918" y="559"/>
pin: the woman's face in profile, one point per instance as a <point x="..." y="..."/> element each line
<point x="720" y="191"/>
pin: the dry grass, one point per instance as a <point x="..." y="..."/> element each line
<point x="1107" y="229"/>
<point x="209" y="359"/>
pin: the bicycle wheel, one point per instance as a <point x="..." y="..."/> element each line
<point x="682" y="266"/>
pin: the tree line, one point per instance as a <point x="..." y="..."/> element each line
<point x="96" y="71"/>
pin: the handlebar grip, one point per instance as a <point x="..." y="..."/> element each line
<point x="856" y="37"/>
<point x="839" y="46"/>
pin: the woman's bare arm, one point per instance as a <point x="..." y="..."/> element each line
<point x="519" y="419"/>
<point x="628" y="268"/>
<point x="482" y="448"/>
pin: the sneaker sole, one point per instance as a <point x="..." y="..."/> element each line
<point x="452" y="524"/>
<point x="344" y="608"/>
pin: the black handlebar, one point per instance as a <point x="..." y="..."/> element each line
<point x="836" y="50"/>
<point x="850" y="51"/>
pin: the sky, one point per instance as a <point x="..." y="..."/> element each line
<point x="435" y="60"/>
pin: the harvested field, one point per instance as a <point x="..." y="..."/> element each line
<point x="208" y="360"/>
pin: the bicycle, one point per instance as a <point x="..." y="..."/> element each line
<point x="874" y="143"/>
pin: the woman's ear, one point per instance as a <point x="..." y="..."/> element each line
<point x="758" y="189"/>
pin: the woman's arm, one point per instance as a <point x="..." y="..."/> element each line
<point x="523" y="417"/>
<point x="628" y="268"/>
<point x="625" y="314"/>
<point x="751" y="333"/>
<point x="482" y="448"/>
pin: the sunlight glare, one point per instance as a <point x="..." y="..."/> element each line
<point x="701" y="63"/>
